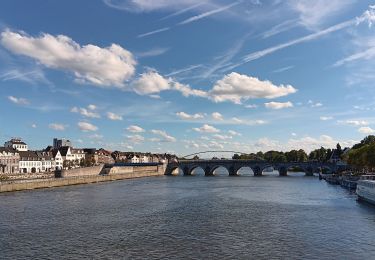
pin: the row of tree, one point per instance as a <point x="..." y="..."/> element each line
<point x="320" y="155"/>
<point x="362" y="155"/>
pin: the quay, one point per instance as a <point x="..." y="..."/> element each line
<point x="87" y="175"/>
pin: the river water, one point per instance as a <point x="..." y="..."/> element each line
<point x="196" y="217"/>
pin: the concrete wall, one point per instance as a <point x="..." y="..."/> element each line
<point x="85" y="171"/>
<point x="58" y="182"/>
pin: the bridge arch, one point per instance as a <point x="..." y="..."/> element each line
<point x="229" y="170"/>
<point x="191" y="170"/>
<point x="244" y="170"/>
<point x="174" y="171"/>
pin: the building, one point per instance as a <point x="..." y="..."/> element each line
<point x="71" y="157"/>
<point x="29" y="162"/>
<point x="59" y="161"/>
<point x="133" y="159"/>
<point x="58" y="143"/>
<point x="9" y="160"/>
<point x="48" y="161"/>
<point x="104" y="156"/>
<point x="17" y="144"/>
<point x="144" y="159"/>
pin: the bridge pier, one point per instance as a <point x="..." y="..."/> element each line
<point x="208" y="172"/>
<point x="257" y="171"/>
<point x="283" y="171"/>
<point x="309" y="172"/>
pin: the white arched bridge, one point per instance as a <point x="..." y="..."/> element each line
<point x="257" y="165"/>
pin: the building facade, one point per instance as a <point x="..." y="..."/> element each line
<point x="57" y="143"/>
<point x="17" y="144"/>
<point x="9" y="160"/>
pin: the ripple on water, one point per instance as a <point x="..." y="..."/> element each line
<point x="188" y="217"/>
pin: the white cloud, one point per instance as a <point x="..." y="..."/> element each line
<point x="309" y="143"/>
<point x="222" y="137"/>
<point x="326" y="118"/>
<point x="239" y="121"/>
<point x="85" y="112"/>
<point x="18" y="101"/>
<point x="105" y="67"/>
<point x="113" y="116"/>
<point x="164" y="135"/>
<point x="278" y="105"/>
<point x="87" y="127"/>
<point x="135" y="129"/>
<point x="366" y="130"/>
<point x="57" y="127"/>
<point x="152" y="82"/>
<point x="187" y="116"/>
<point x="91" y="107"/>
<point x="251" y="106"/>
<point x="234" y="133"/>
<point x="235" y="87"/>
<point x="354" y="122"/>
<point x="318" y="104"/>
<point x="207" y="129"/>
<point x="135" y="138"/>
<point x="217" y="116"/>
<point x="33" y="125"/>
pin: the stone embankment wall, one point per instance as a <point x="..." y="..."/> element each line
<point x="85" y="171"/>
<point x="112" y="174"/>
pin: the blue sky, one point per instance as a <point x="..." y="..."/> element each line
<point x="189" y="75"/>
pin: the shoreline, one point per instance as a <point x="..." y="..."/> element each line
<point x="21" y="185"/>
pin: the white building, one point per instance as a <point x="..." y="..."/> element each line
<point x="48" y="161"/>
<point x="144" y="159"/>
<point x="29" y="162"/>
<point x="17" y="144"/>
<point x="134" y="159"/>
<point x="58" y="159"/>
<point x="71" y="156"/>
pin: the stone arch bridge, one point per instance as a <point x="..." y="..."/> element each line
<point x="233" y="166"/>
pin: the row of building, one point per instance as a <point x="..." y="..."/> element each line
<point x="16" y="158"/>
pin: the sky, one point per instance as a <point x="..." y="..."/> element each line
<point x="187" y="76"/>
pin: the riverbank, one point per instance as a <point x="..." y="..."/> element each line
<point x="111" y="174"/>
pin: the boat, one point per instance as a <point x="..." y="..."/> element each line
<point x="366" y="188"/>
<point x="349" y="181"/>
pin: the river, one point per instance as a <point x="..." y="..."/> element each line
<point x="196" y="217"/>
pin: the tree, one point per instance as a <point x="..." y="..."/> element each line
<point x="367" y="140"/>
<point x="338" y="150"/>
<point x="236" y="157"/>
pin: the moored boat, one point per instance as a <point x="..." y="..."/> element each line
<point x="349" y="181"/>
<point x="366" y="188"/>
